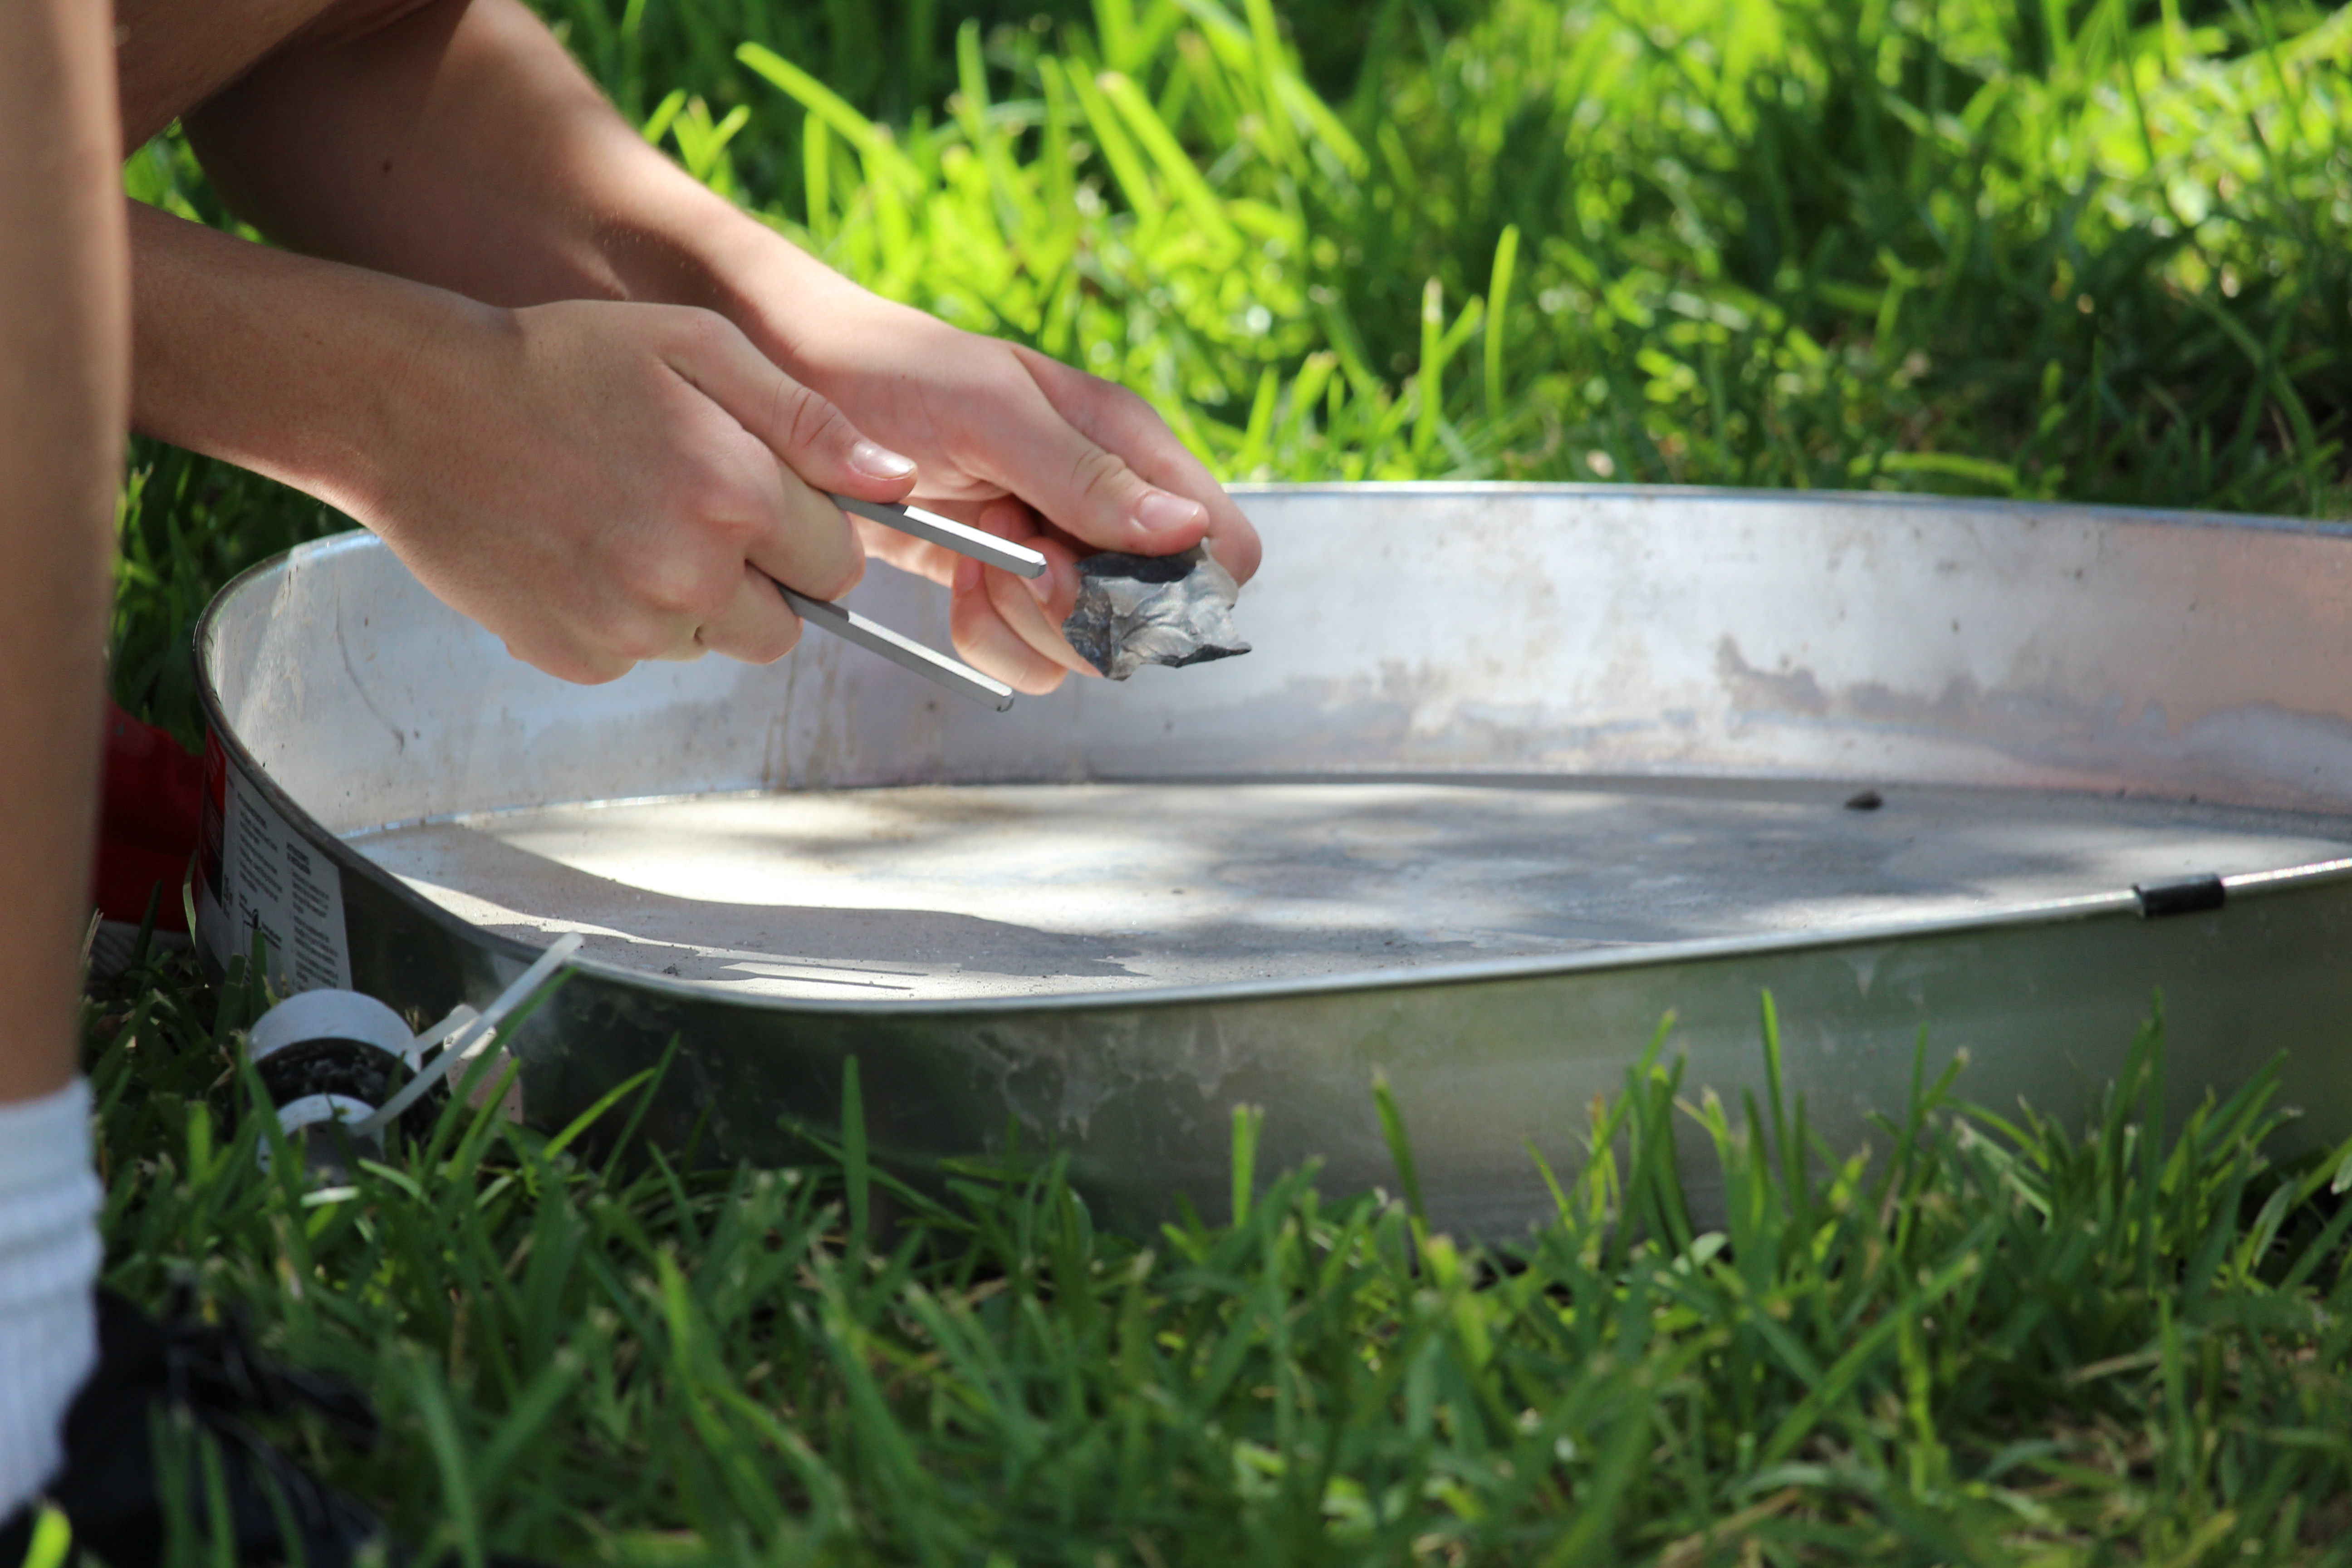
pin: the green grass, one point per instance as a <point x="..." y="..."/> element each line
<point x="2085" y="252"/>
<point x="1997" y="1341"/>
<point x="2096" y="252"/>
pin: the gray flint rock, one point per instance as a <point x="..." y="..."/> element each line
<point x="1135" y="610"/>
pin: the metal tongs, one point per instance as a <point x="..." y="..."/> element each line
<point x="905" y="652"/>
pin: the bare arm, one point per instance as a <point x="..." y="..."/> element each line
<point x="598" y="483"/>
<point x="63" y="372"/>
<point x="459" y="145"/>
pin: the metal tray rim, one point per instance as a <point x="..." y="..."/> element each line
<point x="2180" y="517"/>
<point x="1471" y="972"/>
<point x="2055" y="911"/>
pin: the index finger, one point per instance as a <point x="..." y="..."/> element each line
<point x="1119" y="422"/>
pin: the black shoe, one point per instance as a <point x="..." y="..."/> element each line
<point x="197" y="1380"/>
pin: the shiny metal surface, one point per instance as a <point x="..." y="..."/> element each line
<point x="961" y="538"/>
<point x="948" y="674"/>
<point x="948" y="893"/>
<point x="1635" y="648"/>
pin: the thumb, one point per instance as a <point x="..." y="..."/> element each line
<point x="808" y="434"/>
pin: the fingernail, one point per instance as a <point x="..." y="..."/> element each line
<point x="967" y="576"/>
<point x="878" y="462"/>
<point x="1160" y="512"/>
<point x="1041" y="587"/>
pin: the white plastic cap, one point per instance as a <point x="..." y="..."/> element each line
<point x="329" y="1015"/>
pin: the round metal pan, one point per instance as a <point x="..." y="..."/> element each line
<point x="1514" y="771"/>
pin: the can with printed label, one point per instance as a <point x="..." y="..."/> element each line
<point x="261" y="890"/>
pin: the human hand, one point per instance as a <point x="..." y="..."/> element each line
<point x="601" y="483"/>
<point x="1016" y="442"/>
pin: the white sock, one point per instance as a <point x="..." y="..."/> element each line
<point x="49" y="1254"/>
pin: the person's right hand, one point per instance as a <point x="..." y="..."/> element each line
<point x="601" y="483"/>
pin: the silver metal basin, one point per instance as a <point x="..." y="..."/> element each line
<point x="1514" y="771"/>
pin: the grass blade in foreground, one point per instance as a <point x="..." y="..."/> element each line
<point x="1975" y="1346"/>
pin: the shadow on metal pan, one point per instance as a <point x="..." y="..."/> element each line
<point x="1514" y="771"/>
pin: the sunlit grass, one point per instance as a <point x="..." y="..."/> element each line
<point x="1987" y="1342"/>
<point x="2089" y="251"/>
<point x="2073" y="252"/>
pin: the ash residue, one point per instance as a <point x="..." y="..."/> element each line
<point x="365" y="1072"/>
<point x="1135" y="610"/>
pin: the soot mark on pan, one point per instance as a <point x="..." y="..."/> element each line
<point x="344" y="647"/>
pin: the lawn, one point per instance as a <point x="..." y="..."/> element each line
<point x="2087" y="252"/>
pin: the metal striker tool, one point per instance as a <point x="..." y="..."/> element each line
<point x="905" y="652"/>
<point x="984" y="548"/>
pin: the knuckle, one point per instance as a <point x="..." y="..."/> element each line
<point x="724" y="501"/>
<point x="664" y="589"/>
<point x="801" y="414"/>
<point x="675" y="586"/>
<point x="1097" y="475"/>
<point x="701" y="330"/>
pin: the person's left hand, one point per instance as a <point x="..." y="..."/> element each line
<point x="1016" y="442"/>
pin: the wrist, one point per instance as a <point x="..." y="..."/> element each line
<point x="775" y="292"/>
